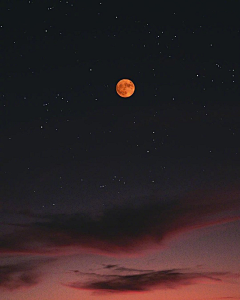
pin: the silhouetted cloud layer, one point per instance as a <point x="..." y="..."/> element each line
<point x="123" y="229"/>
<point x="123" y="269"/>
<point x="20" y="275"/>
<point x="166" y="279"/>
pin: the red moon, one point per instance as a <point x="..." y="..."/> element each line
<point x="125" y="88"/>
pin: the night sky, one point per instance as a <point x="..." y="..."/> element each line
<point x="104" y="197"/>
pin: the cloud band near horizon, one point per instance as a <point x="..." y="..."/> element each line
<point x="122" y="229"/>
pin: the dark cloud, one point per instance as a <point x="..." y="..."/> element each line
<point x="75" y="271"/>
<point x="122" y="229"/>
<point x="124" y="269"/>
<point x="20" y="275"/>
<point x="109" y="266"/>
<point x="166" y="279"/>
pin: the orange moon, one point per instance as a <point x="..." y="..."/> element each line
<point x="125" y="88"/>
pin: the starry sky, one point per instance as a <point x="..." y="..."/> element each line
<point x="104" y="197"/>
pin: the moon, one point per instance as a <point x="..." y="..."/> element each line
<point x="125" y="88"/>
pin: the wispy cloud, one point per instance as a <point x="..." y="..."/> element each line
<point x="124" y="269"/>
<point x="166" y="279"/>
<point x="122" y="229"/>
<point x="21" y="275"/>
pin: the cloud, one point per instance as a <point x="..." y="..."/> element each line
<point x="166" y="279"/>
<point x="109" y="266"/>
<point x="122" y="229"/>
<point x="20" y="275"/>
<point x="124" y="269"/>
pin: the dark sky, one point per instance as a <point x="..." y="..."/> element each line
<point x="70" y="145"/>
